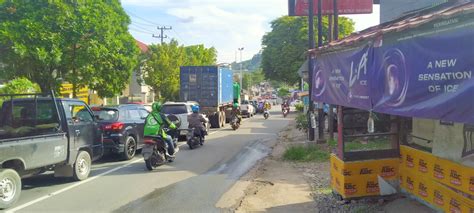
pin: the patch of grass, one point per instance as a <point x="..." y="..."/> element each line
<point x="376" y="144"/>
<point x="305" y="154"/>
<point x="332" y="143"/>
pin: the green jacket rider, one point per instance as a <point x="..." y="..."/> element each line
<point x="155" y="122"/>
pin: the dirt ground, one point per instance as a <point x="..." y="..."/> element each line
<point x="276" y="185"/>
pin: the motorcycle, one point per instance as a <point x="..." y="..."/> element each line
<point x="155" y="150"/>
<point x="194" y="138"/>
<point x="266" y="114"/>
<point x="285" y="112"/>
<point x="234" y="122"/>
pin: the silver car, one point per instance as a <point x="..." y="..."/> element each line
<point x="180" y="109"/>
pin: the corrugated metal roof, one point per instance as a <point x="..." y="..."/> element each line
<point x="407" y="22"/>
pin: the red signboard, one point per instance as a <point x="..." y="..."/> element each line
<point x="300" y="7"/>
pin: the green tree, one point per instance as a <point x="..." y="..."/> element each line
<point x="283" y="92"/>
<point x="161" y="68"/>
<point x="252" y="78"/>
<point x="286" y="44"/>
<point x="19" y="86"/>
<point x="87" y="44"/>
<point x="198" y="55"/>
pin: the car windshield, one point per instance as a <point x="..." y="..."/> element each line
<point x="105" y="114"/>
<point x="174" y="109"/>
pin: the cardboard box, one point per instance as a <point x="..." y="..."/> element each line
<point x="386" y="168"/>
<point x="435" y="193"/>
<point x="449" y="200"/>
<point x="360" y="178"/>
<point x="426" y="165"/>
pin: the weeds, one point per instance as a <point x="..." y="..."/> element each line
<point x="302" y="122"/>
<point x="305" y="154"/>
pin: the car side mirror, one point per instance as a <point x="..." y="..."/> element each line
<point x="143" y="118"/>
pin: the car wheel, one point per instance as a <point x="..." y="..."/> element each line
<point x="10" y="185"/>
<point x="130" y="148"/>
<point x="82" y="166"/>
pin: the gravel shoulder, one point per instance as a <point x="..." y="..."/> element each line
<point x="276" y="185"/>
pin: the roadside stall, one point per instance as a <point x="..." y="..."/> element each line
<point x="405" y="92"/>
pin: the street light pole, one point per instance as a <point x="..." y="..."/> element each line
<point x="241" y="49"/>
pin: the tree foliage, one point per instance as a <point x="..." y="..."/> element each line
<point x="285" y="46"/>
<point x="19" y="86"/>
<point x="84" y="43"/>
<point x="161" y="68"/>
<point x="252" y="78"/>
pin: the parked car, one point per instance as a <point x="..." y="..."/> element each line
<point x="39" y="134"/>
<point x="123" y="128"/>
<point x="247" y="109"/>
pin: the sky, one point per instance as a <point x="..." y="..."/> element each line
<point x="226" y="25"/>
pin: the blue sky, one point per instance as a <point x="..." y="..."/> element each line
<point x="223" y="24"/>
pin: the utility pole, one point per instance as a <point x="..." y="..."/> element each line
<point x="320" y="43"/>
<point x="162" y="35"/>
<point x="311" y="126"/>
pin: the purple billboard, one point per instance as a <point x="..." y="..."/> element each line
<point x="426" y="73"/>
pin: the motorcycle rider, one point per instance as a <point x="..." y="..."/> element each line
<point x="197" y="121"/>
<point x="154" y="124"/>
<point x="236" y="112"/>
<point x="285" y="105"/>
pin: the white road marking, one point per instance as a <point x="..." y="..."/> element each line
<point x="69" y="187"/>
<point x="84" y="181"/>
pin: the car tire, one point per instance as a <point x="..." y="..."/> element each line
<point x="82" y="166"/>
<point x="130" y="148"/>
<point x="10" y="179"/>
<point x="214" y="120"/>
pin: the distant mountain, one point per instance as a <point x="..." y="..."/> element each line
<point x="251" y="65"/>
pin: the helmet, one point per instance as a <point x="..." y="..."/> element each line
<point x="156" y="107"/>
<point x="195" y="108"/>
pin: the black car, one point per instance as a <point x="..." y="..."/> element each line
<point x="123" y="127"/>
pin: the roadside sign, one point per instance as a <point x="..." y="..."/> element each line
<point x="300" y="7"/>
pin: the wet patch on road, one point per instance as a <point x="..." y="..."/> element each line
<point x="202" y="192"/>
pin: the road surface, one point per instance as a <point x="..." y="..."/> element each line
<point x="194" y="182"/>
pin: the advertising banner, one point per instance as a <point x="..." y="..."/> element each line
<point x="301" y="7"/>
<point x="425" y="72"/>
<point x="341" y="78"/>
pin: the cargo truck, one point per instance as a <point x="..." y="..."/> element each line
<point x="211" y="87"/>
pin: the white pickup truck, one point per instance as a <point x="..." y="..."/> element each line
<point x="247" y="109"/>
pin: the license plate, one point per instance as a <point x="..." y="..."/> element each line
<point x="147" y="151"/>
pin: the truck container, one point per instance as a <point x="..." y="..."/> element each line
<point x="211" y="87"/>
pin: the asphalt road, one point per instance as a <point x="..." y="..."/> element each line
<point x="193" y="183"/>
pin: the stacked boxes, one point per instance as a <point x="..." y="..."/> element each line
<point x="440" y="182"/>
<point x="359" y="178"/>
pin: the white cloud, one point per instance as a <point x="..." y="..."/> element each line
<point x="223" y="24"/>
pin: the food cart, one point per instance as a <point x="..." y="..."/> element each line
<point x="405" y="96"/>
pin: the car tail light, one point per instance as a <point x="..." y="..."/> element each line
<point x="114" y="126"/>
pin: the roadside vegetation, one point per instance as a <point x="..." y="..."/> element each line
<point x="306" y="154"/>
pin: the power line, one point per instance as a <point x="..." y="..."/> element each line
<point x="140" y="31"/>
<point x="142" y="28"/>
<point x="143" y="19"/>
<point x="180" y="38"/>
